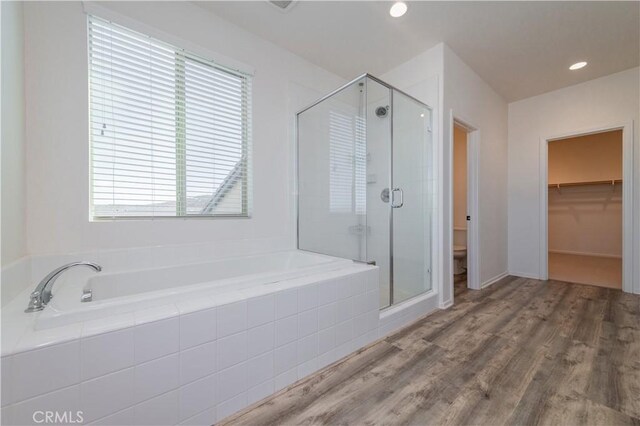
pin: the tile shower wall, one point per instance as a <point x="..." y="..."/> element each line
<point x="197" y="367"/>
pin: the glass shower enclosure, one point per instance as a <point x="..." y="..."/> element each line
<point x="365" y="185"/>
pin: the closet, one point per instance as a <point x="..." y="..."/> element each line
<point x="585" y="209"/>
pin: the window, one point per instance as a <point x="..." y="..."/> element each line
<point x="170" y="131"/>
<point x="347" y="163"/>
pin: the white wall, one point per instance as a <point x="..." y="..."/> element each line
<point x="610" y="100"/>
<point x="473" y="100"/>
<point x="586" y="220"/>
<point x="57" y="143"/>
<point x="420" y="76"/>
<point x="13" y="150"/>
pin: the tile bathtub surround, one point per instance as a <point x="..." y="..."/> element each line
<point x="196" y="367"/>
<point x="96" y="361"/>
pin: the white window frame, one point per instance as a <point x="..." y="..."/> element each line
<point x="183" y="55"/>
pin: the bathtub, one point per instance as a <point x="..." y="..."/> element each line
<point x="211" y="337"/>
<point x="123" y="292"/>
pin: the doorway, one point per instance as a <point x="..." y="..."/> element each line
<point x="586" y="193"/>
<point x="460" y="183"/>
<point x="585" y="209"/>
<point x="464" y="206"/>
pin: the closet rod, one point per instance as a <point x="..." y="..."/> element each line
<point x="592" y="182"/>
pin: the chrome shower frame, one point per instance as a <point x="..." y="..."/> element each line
<point x="392" y="89"/>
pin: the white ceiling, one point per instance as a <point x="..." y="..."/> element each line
<point x="520" y="48"/>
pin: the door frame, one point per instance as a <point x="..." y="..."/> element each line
<point x="473" y="228"/>
<point x="627" y="197"/>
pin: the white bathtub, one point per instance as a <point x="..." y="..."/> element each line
<point x="214" y="337"/>
<point x="117" y="293"/>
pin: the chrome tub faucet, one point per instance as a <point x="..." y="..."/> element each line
<point x="42" y="294"/>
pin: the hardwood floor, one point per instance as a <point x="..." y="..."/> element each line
<point x="459" y="285"/>
<point x="519" y="352"/>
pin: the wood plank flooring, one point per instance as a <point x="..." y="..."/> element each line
<point x="459" y="285"/>
<point x="521" y="352"/>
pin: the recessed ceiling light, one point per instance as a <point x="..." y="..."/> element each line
<point x="398" y="9"/>
<point x="577" y="66"/>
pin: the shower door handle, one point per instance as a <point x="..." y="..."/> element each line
<point x="397" y="202"/>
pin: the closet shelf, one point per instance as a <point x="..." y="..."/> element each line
<point x="611" y="182"/>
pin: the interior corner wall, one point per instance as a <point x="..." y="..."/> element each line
<point x="57" y="127"/>
<point x="609" y="100"/>
<point x="420" y="76"/>
<point x="473" y="100"/>
<point x="13" y="126"/>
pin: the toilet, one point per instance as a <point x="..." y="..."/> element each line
<point x="459" y="251"/>
<point x="459" y="259"/>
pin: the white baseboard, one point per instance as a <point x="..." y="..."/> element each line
<point x="524" y="275"/>
<point x="495" y="279"/>
<point x="446" y="304"/>
<point x="581" y="253"/>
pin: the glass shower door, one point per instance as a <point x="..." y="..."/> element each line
<point x="411" y="206"/>
<point x="365" y="184"/>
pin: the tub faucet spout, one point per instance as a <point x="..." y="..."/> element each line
<point x="42" y="294"/>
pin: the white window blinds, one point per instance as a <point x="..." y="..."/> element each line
<point x="170" y="131"/>
<point x="347" y="163"/>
